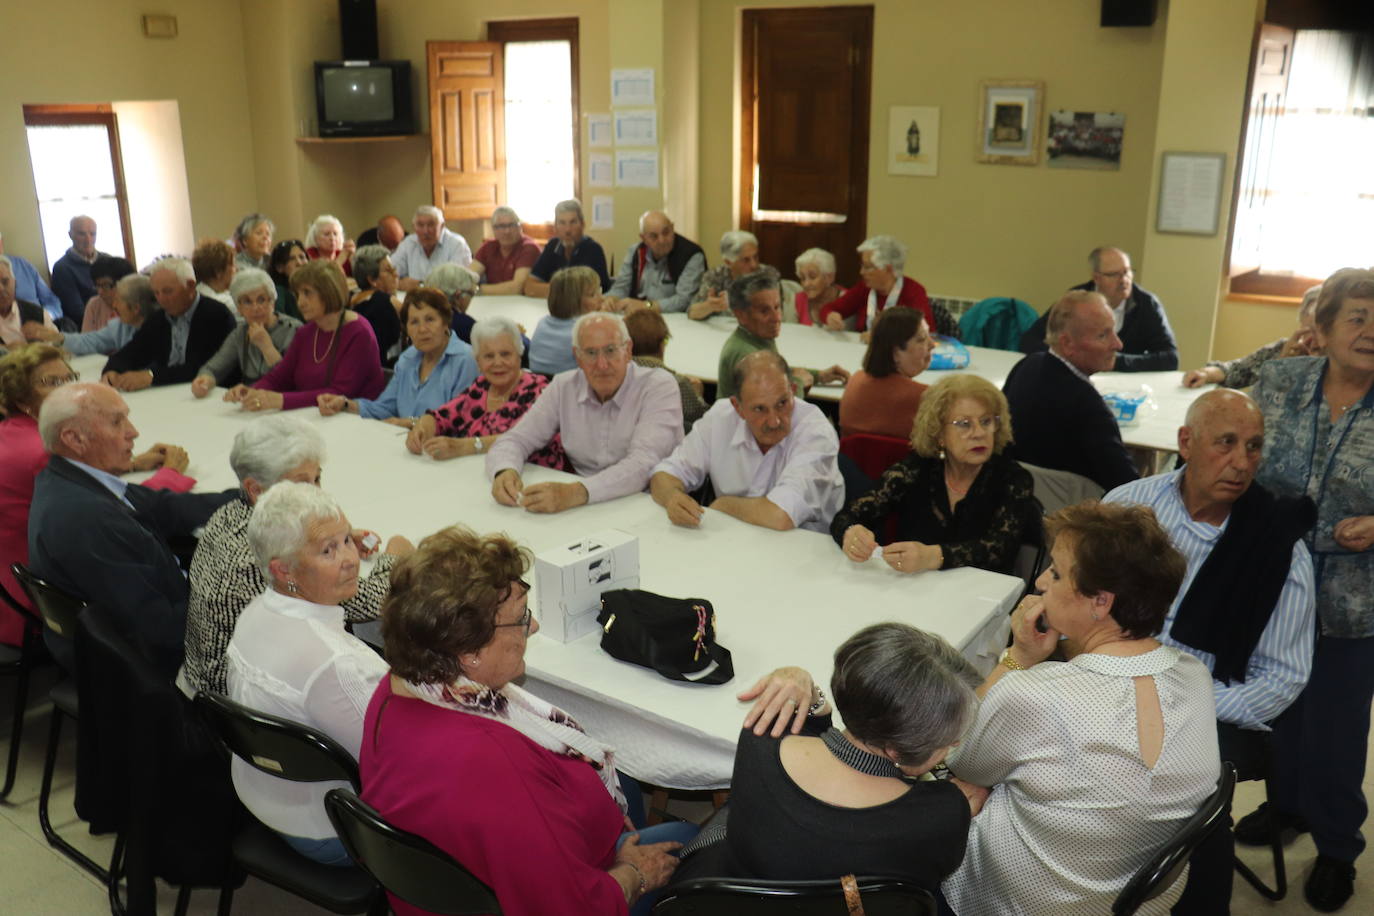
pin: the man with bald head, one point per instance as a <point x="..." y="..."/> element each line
<point x="771" y="459"/>
<point x="388" y="233"/>
<point x="71" y="275"/>
<point x="617" y="420"/>
<point x="661" y="272"/>
<point x="1147" y="341"/>
<point x="1246" y="608"/>
<point x="1058" y="418"/>
<point x="95" y="535"/>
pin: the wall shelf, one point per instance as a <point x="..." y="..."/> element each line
<point x="314" y="140"/>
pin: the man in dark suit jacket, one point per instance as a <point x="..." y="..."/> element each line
<point x="174" y="343"/>
<point x="1147" y="341"/>
<point x="103" y="539"/>
<point x="1058" y="418"/>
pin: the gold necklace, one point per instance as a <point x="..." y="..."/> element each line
<point x="314" y="344"/>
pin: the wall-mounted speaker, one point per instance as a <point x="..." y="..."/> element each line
<point x="1116" y="13"/>
<point x="358" y="26"/>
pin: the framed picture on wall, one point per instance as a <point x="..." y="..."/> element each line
<point x="1009" y="121"/>
<point x="913" y="140"/>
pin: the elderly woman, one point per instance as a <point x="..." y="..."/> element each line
<point x="648" y="339"/>
<point x="1243" y="371"/>
<point x="459" y="285"/>
<point x="739" y="255"/>
<point x="1093" y="763"/>
<point x="538" y="813"/>
<point x="134" y="303"/>
<point x="959" y="500"/>
<point x="335" y="353"/>
<point x="225" y="575"/>
<point x="882" y="398"/>
<point x="257" y="342"/>
<point x="253" y="241"/>
<point x="816" y="272"/>
<point x="105" y="273"/>
<point x="214" y="264"/>
<point x="374" y="299"/>
<point x="432" y="370"/>
<point x="290" y="655"/>
<point x="881" y="285"/>
<point x="573" y="292"/>
<point x="28" y="374"/>
<point x="325" y="239"/>
<point x="287" y="256"/>
<point x="502" y="393"/>
<point x="825" y="802"/>
<point x="1319" y="440"/>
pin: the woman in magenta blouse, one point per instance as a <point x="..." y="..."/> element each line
<point x="506" y="783"/>
<point x="334" y="353"/>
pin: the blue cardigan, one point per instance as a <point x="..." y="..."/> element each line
<point x="406" y="396"/>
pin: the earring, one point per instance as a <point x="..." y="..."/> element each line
<point x="292" y="587"/>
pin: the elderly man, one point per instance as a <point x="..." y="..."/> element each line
<point x="1060" y="419"/>
<point x="1247" y="605"/>
<point x="1147" y="341"/>
<point x="430" y="245"/>
<point x="662" y="272"/>
<point x="617" y="420"/>
<point x="569" y="248"/>
<point x="71" y="275"/>
<point x="16" y="312"/>
<point x="503" y="263"/>
<point x="105" y="540"/>
<point x="29" y="287"/>
<point x="771" y="459"/>
<point x="174" y="343"/>
<point x="388" y="233"/>
<point x="756" y="302"/>
<point x="739" y="255"/>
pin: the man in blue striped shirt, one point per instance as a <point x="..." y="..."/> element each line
<point x="1260" y="636"/>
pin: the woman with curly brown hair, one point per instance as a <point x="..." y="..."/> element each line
<point x="506" y="783"/>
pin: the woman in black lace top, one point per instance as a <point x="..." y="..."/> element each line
<point x="958" y="500"/>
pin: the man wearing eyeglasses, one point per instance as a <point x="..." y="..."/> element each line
<point x="1147" y="341"/>
<point x="617" y="421"/>
<point x="503" y="263"/>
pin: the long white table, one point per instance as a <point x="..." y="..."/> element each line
<point x="694" y="349"/>
<point x="780" y="598"/>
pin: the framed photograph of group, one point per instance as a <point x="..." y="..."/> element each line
<point x="1009" y="121"/>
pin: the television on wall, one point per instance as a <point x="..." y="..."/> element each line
<point x="363" y="98"/>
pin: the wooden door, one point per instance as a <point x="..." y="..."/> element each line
<point x="467" y="127"/>
<point x="804" y="129"/>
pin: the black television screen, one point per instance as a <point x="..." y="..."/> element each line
<point x="363" y="98"/>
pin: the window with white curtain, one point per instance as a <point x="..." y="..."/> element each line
<point x="539" y="129"/>
<point x="1307" y="200"/>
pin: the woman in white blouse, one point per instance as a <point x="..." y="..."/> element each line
<point x="291" y="657"/>
<point x="1092" y="763"/>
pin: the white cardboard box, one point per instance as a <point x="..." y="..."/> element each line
<point x="569" y="580"/>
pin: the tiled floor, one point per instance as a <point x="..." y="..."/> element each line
<point x="37" y="881"/>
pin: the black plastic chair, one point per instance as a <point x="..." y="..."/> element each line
<point x="1280" y="888"/>
<point x="1158" y="874"/>
<point x="729" y="896"/>
<point x="59" y="610"/>
<point x="289" y="750"/>
<point x="18" y="662"/>
<point x="409" y="866"/>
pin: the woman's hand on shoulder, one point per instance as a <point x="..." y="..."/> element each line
<point x="654" y="861"/>
<point x="976" y="795"/>
<point x="782" y="698"/>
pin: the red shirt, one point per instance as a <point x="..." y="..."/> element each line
<point x="855" y="301"/>
<point x="499" y="267"/>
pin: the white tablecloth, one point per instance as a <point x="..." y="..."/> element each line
<point x="780" y="598"/>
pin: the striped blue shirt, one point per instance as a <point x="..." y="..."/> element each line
<point x="1282" y="660"/>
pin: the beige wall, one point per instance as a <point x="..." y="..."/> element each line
<point x="105" y="58"/>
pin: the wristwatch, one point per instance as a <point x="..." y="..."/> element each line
<point x="477" y="443"/>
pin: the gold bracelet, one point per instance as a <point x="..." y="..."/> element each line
<point x="1011" y="663"/>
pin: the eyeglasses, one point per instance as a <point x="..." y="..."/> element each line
<point x="527" y="618"/>
<point x="56" y="381"/>
<point x="592" y="354"/>
<point x="1116" y="274"/>
<point x="505" y="225"/>
<point x="986" y="424"/>
<point x="104" y="284"/>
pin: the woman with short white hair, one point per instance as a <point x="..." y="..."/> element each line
<point x="816" y="273"/>
<point x="502" y="393"/>
<point x="325" y="239"/>
<point x="882" y="285"/>
<point x="290" y="655"/>
<point x="739" y="255"/>
<point x="257" y="342"/>
<point x="225" y="575"/>
<point x="253" y="241"/>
